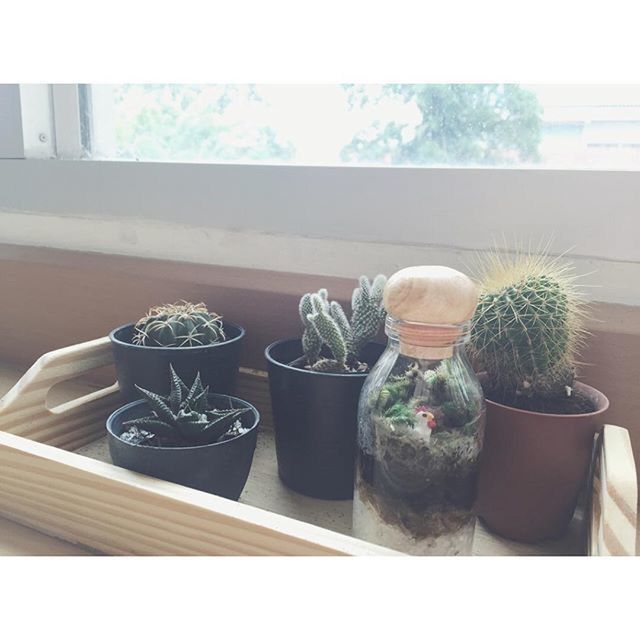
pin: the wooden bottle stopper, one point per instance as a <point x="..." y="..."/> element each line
<point x="431" y="302"/>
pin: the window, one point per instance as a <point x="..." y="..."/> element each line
<point x="222" y="175"/>
<point x="496" y="125"/>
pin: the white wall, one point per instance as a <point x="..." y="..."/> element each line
<point x="335" y="221"/>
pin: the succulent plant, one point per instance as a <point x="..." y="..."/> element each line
<point x="527" y="329"/>
<point x="182" y="324"/>
<point x="325" y="323"/>
<point x="402" y="394"/>
<point x="398" y="390"/>
<point x="184" y="416"/>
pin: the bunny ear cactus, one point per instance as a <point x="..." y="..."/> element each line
<point x="326" y="323"/>
<point x="527" y="330"/>
<point x="311" y="340"/>
<point x="367" y="311"/>
<point x="182" y="324"/>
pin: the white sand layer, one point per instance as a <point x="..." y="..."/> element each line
<point x="369" y="526"/>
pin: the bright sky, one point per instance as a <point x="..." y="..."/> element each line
<point x="585" y="94"/>
<point x="317" y="117"/>
<point x="318" y="121"/>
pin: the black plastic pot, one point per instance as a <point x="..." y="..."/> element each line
<point x="148" y="367"/>
<point x="315" y="419"/>
<point x="221" y="468"/>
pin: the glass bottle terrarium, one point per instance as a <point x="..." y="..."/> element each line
<point x="420" y="428"/>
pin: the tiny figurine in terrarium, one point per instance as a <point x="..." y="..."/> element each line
<point x="421" y="420"/>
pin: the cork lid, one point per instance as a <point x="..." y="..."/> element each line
<point x="430" y="295"/>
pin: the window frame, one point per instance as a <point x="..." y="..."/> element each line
<point x="343" y="215"/>
<point x="11" y="142"/>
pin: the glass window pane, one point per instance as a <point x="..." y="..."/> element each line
<point x="499" y="125"/>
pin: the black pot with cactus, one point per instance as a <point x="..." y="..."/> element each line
<point x="526" y="335"/>
<point x="192" y="437"/>
<point x="315" y="385"/>
<point x="184" y="335"/>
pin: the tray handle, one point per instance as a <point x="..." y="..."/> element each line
<point x="613" y="515"/>
<point x="24" y="411"/>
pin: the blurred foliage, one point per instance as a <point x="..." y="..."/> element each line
<point x="191" y="123"/>
<point x="457" y="124"/>
<point x="460" y="124"/>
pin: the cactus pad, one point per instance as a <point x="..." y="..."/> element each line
<point x="326" y="324"/>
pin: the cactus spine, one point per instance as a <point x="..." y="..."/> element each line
<point x="326" y="323"/>
<point x="182" y="324"/>
<point x="527" y="329"/>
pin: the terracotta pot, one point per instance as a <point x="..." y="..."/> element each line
<point x="533" y="468"/>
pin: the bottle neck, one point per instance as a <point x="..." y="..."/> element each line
<point x="427" y="341"/>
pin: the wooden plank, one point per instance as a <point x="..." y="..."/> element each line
<point x="36" y="484"/>
<point x="253" y="386"/>
<point x="613" y="524"/>
<point x="264" y="302"/>
<point x="24" y="410"/>
<point x="18" y="540"/>
<point x="111" y="509"/>
<point x="265" y="490"/>
<point x="116" y="511"/>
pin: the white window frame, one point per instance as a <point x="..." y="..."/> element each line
<point x="344" y="220"/>
<point x="11" y="145"/>
<point x="67" y="123"/>
<point x="52" y="122"/>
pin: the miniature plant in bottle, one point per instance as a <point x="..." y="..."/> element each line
<point x="526" y="333"/>
<point x="182" y="324"/>
<point x="332" y="343"/>
<point x="421" y="420"/>
<point x="184" y="418"/>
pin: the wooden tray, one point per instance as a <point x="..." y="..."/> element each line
<point x="56" y="477"/>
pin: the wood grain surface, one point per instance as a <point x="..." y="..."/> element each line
<point x="113" y="510"/>
<point x="84" y="499"/>
<point x="265" y="490"/>
<point x="18" y="540"/>
<point x="24" y="410"/>
<point x="614" y="496"/>
<point x="58" y="298"/>
<point x="119" y="512"/>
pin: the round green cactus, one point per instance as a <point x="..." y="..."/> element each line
<point x="527" y="329"/>
<point x="182" y="324"/>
